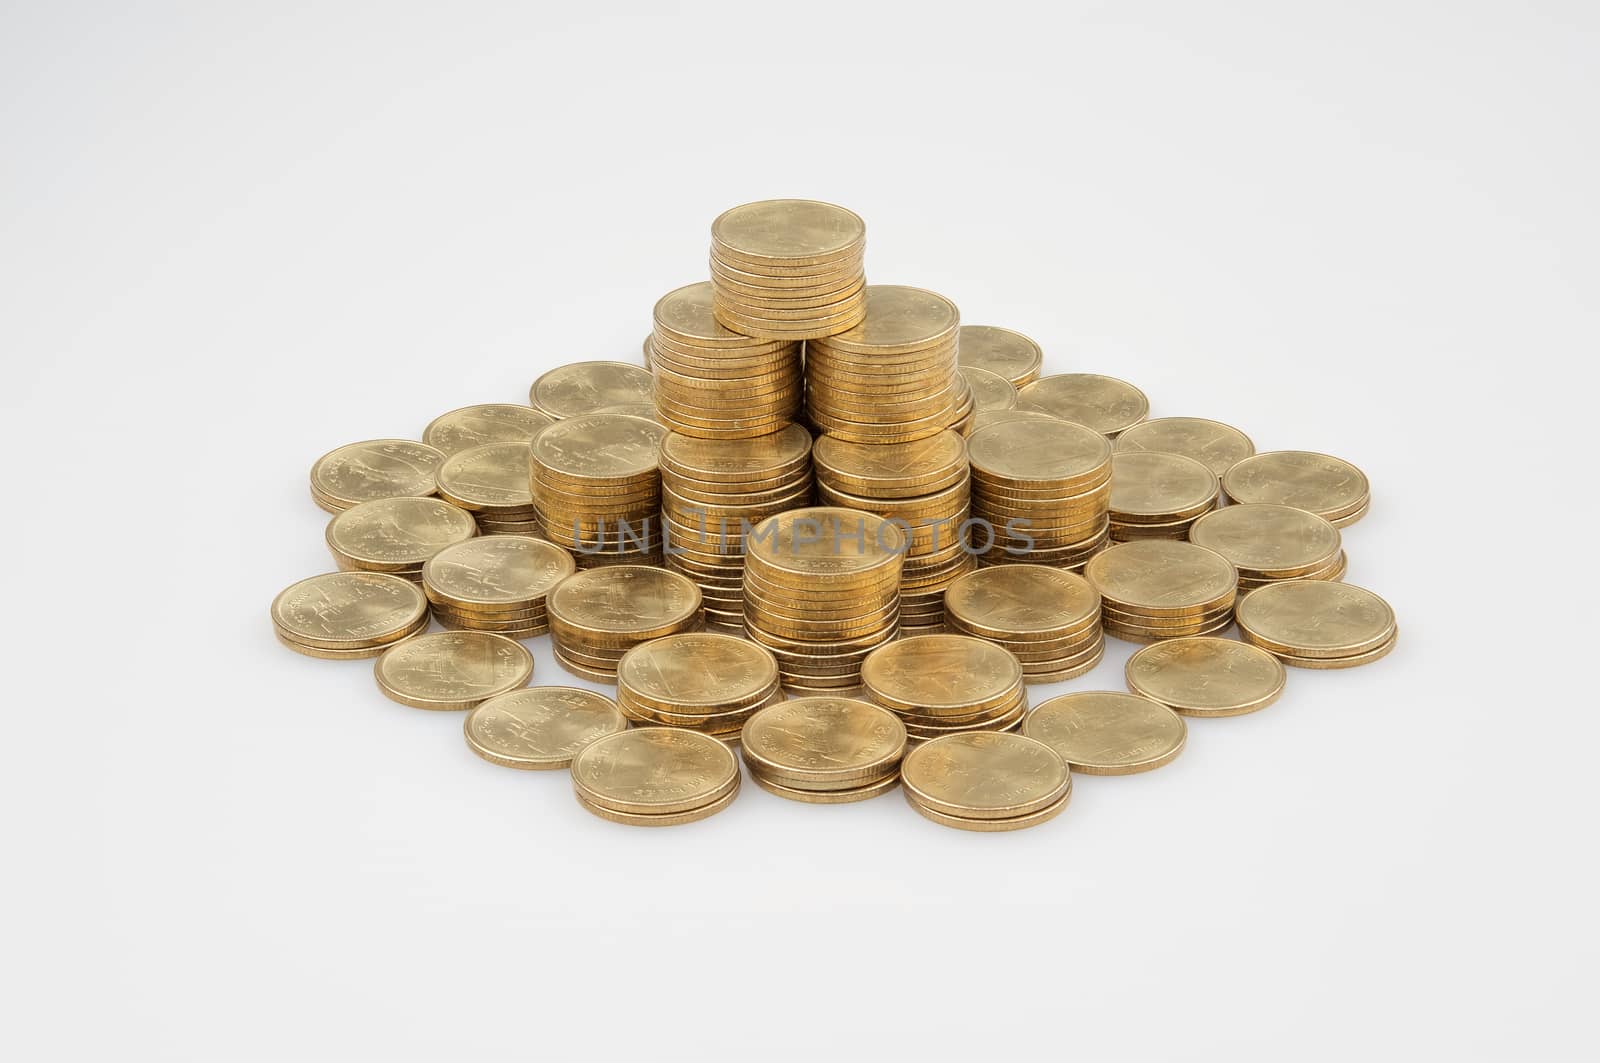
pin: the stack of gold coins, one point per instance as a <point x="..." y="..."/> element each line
<point x="1219" y="447"/>
<point x="473" y="426"/>
<point x="700" y="680"/>
<point x="1157" y="495"/>
<point x="788" y="269"/>
<point x="1104" y="403"/>
<point x="377" y="468"/>
<point x="491" y="482"/>
<point x="1000" y="350"/>
<point x="1047" y="618"/>
<point x="990" y="391"/>
<point x="824" y="750"/>
<point x="715" y="383"/>
<point x="1107" y="732"/>
<point x="596" y="487"/>
<point x="348" y="615"/>
<point x="712" y="492"/>
<point x="1156" y="589"/>
<point x="922" y="485"/>
<point x="396" y="535"/>
<point x="655" y="776"/>
<point x="598" y="615"/>
<point x="891" y="378"/>
<point x="941" y="684"/>
<point x="1043" y="489"/>
<point x="540" y="728"/>
<point x="983" y="781"/>
<point x="591" y="387"/>
<point x="1330" y="487"/>
<point x="1268" y="544"/>
<point x="1207" y="676"/>
<point x="822" y="591"/>
<point x="495" y="583"/>
<point x="1316" y="624"/>
<point x="452" y="670"/>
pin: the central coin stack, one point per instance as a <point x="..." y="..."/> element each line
<point x="1044" y="489"/>
<point x="942" y="684"/>
<point x="822" y="591"/>
<point x="788" y="269"/>
<point x="923" y="486"/>
<point x="712" y="492"/>
<point x="699" y="680"/>
<point x="596" y="485"/>
<point x="597" y="616"/>
<point x="1157" y="589"/>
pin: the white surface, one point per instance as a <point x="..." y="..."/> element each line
<point x="236" y="239"/>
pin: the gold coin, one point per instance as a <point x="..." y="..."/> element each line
<point x="827" y="797"/>
<point x="452" y="669"/>
<point x="348" y="610"/>
<point x="538" y="728"/>
<point x="391" y="534"/>
<point x="1043" y="674"/>
<point x="740" y="279"/>
<point x="584" y="387"/>
<point x="668" y="819"/>
<point x="990" y="391"/>
<point x="826" y="741"/>
<point x="826" y="543"/>
<point x="473" y="426"/>
<point x="684" y="316"/>
<point x="984" y="775"/>
<point x="1009" y="823"/>
<point x="598" y="449"/>
<point x="1158" y="577"/>
<point x="985" y="418"/>
<point x="896" y="470"/>
<point x="655" y="771"/>
<point x="1103" y="403"/>
<point x="492" y="477"/>
<point x="1312" y="618"/>
<point x="792" y="231"/>
<point x="1055" y="454"/>
<point x="623" y="601"/>
<point x="898" y="320"/>
<point x="1154" y="635"/>
<point x="646" y="410"/>
<point x="376" y="468"/>
<point x="941" y="675"/>
<point x="1102" y="732"/>
<point x="1022" y="602"/>
<point x="1269" y="541"/>
<point x="1351" y="661"/>
<point x="1207" y="676"/>
<point x="496" y="573"/>
<point x="1153" y="486"/>
<point x="1000" y="350"/>
<point x="338" y="654"/>
<point x="1327" y="486"/>
<point x="1217" y="446"/>
<point x="695" y="671"/>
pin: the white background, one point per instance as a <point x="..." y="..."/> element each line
<point x="235" y="236"/>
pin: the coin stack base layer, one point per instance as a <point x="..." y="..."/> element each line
<point x="373" y="469"/>
<point x="1330" y="487"/>
<point x="540" y="728"/>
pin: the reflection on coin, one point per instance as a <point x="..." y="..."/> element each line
<point x="1207" y="676"/>
<point x="1101" y="732"/>
<point x="540" y="727"/>
<point x="452" y="669"/>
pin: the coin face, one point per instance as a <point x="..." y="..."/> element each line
<point x="1328" y="486"/>
<point x="899" y="318"/>
<point x="377" y="468"/>
<point x="1156" y="485"/>
<point x="1268" y="540"/>
<point x="985" y="775"/>
<point x="398" y="531"/>
<point x="1101" y="732"/>
<point x="697" y="669"/>
<point x="624" y="599"/>
<point x="923" y="464"/>
<point x="1207" y="676"/>
<point x="1002" y="351"/>
<point x="789" y="229"/>
<point x="1312" y="618"/>
<point x="539" y="728"/>
<point x="1104" y="403"/>
<point x="599" y="446"/>
<point x="584" y="387"/>
<point x="497" y="570"/>
<point x="990" y="391"/>
<point x="654" y="770"/>
<point x="1162" y="577"/>
<point x="473" y="426"/>
<point x="937" y="674"/>
<point x="734" y="460"/>
<point x="1018" y="600"/>
<point x="825" y="739"/>
<point x="825" y="541"/>
<point x="348" y="609"/>
<point x="452" y="669"/>
<point x="1050" y="450"/>
<point x="1217" y="446"/>
<point x="490" y="476"/>
<point x="686" y="314"/>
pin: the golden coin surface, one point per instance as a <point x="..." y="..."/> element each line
<point x="985" y="775"/>
<point x="1053" y="451"/>
<point x="826" y="541"/>
<point x="655" y="771"/>
<point x="660" y="819"/>
<point x="1313" y="618"/>
<point x="1104" y="403"/>
<point x="497" y="570"/>
<point x="584" y="387"/>
<point x="735" y="460"/>
<point x="398" y="532"/>
<point x="697" y="668"/>
<point x="799" y="230"/>
<point x="452" y="669"/>
<point x="1207" y="676"/>
<point x="1022" y="600"/>
<point x="940" y="675"/>
<point x="985" y="418"/>
<point x="376" y="468"/>
<point x="1348" y="661"/>
<point x="1007" y="823"/>
<point x="603" y="446"/>
<point x="686" y="315"/>
<point x="490" y="476"/>
<point x="1102" y="732"/>
<point x="1161" y="577"/>
<point x="990" y="391"/>
<point x="1327" y="486"/>
<point x="539" y="728"/>
<point x="1217" y="446"/>
<point x="348" y="610"/>
<point x="865" y="792"/>
<point x="1268" y="540"/>
<point x="893" y="469"/>
<point x="624" y="599"/>
<point x="1158" y="485"/>
<point x="473" y="426"/>
<point x="999" y="350"/>
<point x="832" y="741"/>
<point x="898" y="318"/>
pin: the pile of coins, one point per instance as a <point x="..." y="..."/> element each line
<point x="1330" y="487"/>
<point x="1104" y="403"/>
<point x="822" y="591"/>
<point x="712" y="492"/>
<point x="700" y="680"/>
<point x="490" y="481"/>
<point x="655" y="776"/>
<point x="788" y="269"/>
<point x="1159" y="589"/>
<point x="592" y="387"/>
<point x="892" y="378"/>
<point x="473" y="426"/>
<point x="1315" y="624"/>
<point x="597" y="615"/>
<point x="824" y="750"/>
<point x="344" y="616"/>
<point x="596" y="486"/>
<point x="1044" y="488"/>
<point x="374" y="469"/>
<point x="540" y="728"/>
<point x="1001" y="351"/>
<point x="452" y="670"/>
<point x="496" y="583"/>
<point x="1217" y="446"/>
<point x="1047" y="618"/>
<point x="923" y="486"/>
<point x="986" y="781"/>
<point x="1207" y="676"/>
<point x="943" y="684"/>
<point x="1269" y="544"/>
<point x="1159" y="495"/>
<point x="715" y="383"/>
<point x="1104" y="732"/>
<point x="396" y="535"/>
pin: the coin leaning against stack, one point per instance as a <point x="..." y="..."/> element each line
<point x="597" y="615"/>
<point x="700" y="680"/>
<point x="824" y="750"/>
<point x="1047" y="618"/>
<point x="944" y="684"/>
<point x="655" y="777"/>
<point x="348" y="615"/>
<point x="495" y="583"/>
<point x="788" y="269"/>
<point x="986" y="781"/>
<point x="1157" y="495"/>
<point x="1155" y="589"/>
<point x="1043" y="487"/>
<point x="490" y="481"/>
<point x="396" y="535"/>
<point x="596" y="486"/>
<point x="1269" y="544"/>
<point x="1316" y="624"/>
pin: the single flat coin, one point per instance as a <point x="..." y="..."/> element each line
<point x="1104" y="403"/>
<point x="1330" y="487"/>
<point x="1102" y="732"/>
<point x="849" y="796"/>
<point x="496" y="571"/>
<point x="697" y="670"/>
<point x="452" y="669"/>
<point x="487" y="477"/>
<point x="990" y="826"/>
<point x="655" y="771"/>
<point x="397" y="533"/>
<point x="1162" y="578"/>
<point x="624" y="600"/>
<point x="990" y="391"/>
<point x="660" y="819"/>
<point x="1207" y="676"/>
<point x="1149" y="486"/>
<point x="539" y="728"/>
<point x="795" y="231"/>
<point x="1217" y="446"/>
<point x="999" y="350"/>
<point x="827" y="741"/>
<point x="1057" y="453"/>
<point x="1268" y="540"/>
<point x="985" y="775"/>
<point x="1022" y="601"/>
<point x="1314" y="618"/>
<point x="473" y="426"/>
<point x="584" y="387"/>
<point x="605" y="447"/>
<point x="348" y="610"/>
<point x="898" y="319"/>
<point x="377" y="468"/>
